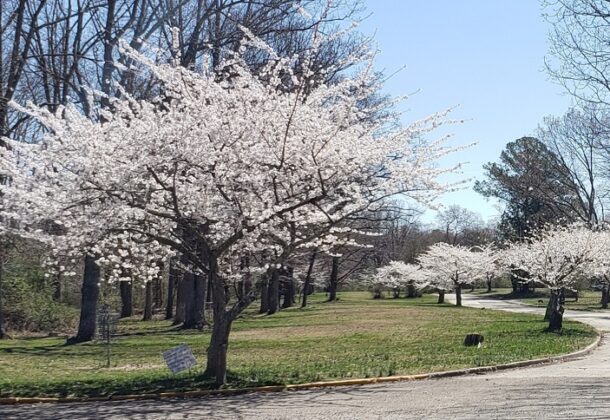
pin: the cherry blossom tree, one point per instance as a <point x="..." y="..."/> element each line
<point x="490" y="263"/>
<point x="599" y="265"/>
<point x="397" y="274"/>
<point x="214" y="169"/>
<point x="602" y="280"/>
<point x="558" y="256"/>
<point x="452" y="267"/>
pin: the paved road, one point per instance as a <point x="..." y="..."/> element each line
<point x="576" y="389"/>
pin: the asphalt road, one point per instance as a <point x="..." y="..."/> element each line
<point x="577" y="389"/>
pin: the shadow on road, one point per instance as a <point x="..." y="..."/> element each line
<point x="472" y="397"/>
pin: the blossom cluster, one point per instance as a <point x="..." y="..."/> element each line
<point x="225" y="166"/>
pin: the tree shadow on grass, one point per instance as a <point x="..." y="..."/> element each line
<point x="150" y="383"/>
<point x="171" y="331"/>
<point x="53" y="350"/>
<point x="445" y="305"/>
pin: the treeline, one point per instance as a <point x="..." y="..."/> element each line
<point x="38" y="302"/>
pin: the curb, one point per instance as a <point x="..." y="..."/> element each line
<point x="311" y="385"/>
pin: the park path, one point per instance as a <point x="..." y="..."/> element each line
<point x="575" y="389"/>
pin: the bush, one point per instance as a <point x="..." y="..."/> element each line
<point x="27" y="298"/>
<point x="31" y="308"/>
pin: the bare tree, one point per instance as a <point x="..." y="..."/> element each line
<point x="580" y="47"/>
<point x="456" y="221"/>
<point x="19" y="23"/>
<point x="580" y="139"/>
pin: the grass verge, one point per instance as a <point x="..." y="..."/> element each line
<point x="355" y="337"/>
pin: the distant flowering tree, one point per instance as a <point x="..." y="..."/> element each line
<point x="490" y="263"/>
<point x="600" y="271"/>
<point x="397" y="275"/>
<point x="452" y="267"/>
<point x="214" y="169"/>
<point x="558" y="256"/>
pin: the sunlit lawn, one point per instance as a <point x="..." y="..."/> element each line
<point x="354" y="337"/>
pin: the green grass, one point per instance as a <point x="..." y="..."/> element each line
<point x="352" y="338"/>
<point x="588" y="300"/>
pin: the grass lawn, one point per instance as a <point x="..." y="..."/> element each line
<point x="355" y="337"/>
<point x="588" y="300"/>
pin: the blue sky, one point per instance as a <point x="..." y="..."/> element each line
<point x="485" y="56"/>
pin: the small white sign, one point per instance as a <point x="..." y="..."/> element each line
<point x="179" y="358"/>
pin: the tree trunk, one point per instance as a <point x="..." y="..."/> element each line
<point x="488" y="285"/>
<point x="239" y="289"/>
<point x="171" y="286"/>
<point x="184" y="298"/>
<point x="555" y="311"/>
<point x="126" y="289"/>
<point x="223" y="319"/>
<point x="217" y="351"/>
<point x="190" y="317"/>
<point x="188" y="280"/>
<point x="199" y="291"/>
<point x="247" y="284"/>
<point x="458" y="295"/>
<point x="396" y="292"/>
<point x="307" y="283"/>
<point x="264" y="295"/>
<point x="57" y="289"/>
<point x="411" y="291"/>
<point x="2" y="327"/>
<point x="89" y="296"/>
<point x="148" y="301"/>
<point x="289" y="289"/>
<point x="157" y="290"/>
<point x="274" y="292"/>
<point x="180" y="301"/>
<point x="551" y="305"/>
<point x="334" y="279"/>
<point x="605" y="296"/>
<point x="219" y="341"/>
<point x="194" y="292"/>
<point x="441" y="296"/>
<point x="244" y="286"/>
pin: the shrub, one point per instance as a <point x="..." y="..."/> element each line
<point x="27" y="300"/>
